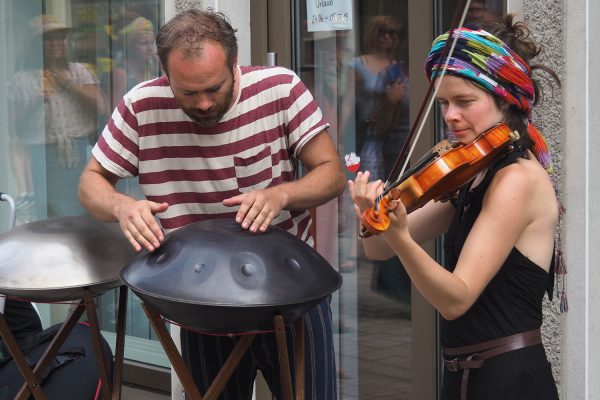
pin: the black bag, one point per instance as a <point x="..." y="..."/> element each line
<point x="72" y="373"/>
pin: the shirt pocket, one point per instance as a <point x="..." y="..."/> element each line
<point x="254" y="172"/>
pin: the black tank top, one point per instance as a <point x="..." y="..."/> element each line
<point x="512" y="301"/>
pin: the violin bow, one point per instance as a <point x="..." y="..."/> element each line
<point x="427" y="103"/>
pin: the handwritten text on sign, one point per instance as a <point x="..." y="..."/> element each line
<point x="329" y="15"/>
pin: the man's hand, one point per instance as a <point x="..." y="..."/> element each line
<point x="138" y="224"/>
<point x="258" y="208"/>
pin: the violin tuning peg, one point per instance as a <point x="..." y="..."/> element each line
<point x="514" y="136"/>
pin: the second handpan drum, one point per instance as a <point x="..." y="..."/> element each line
<point x="214" y="276"/>
<point x="57" y="259"/>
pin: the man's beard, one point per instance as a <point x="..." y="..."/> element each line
<point x="207" y="119"/>
<point x="213" y="116"/>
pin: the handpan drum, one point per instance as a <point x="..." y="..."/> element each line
<point x="213" y="276"/>
<point x="57" y="259"/>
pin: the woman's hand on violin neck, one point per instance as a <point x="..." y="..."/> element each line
<point x="363" y="192"/>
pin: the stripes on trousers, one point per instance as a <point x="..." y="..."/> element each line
<point x="205" y="355"/>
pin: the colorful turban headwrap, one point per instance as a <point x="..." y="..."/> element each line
<point x="488" y="62"/>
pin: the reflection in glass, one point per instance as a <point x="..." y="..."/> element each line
<point x="63" y="66"/>
<point x="132" y="61"/>
<point x="54" y="103"/>
<point x="360" y="80"/>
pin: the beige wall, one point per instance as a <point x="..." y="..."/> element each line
<point x="570" y="117"/>
<point x="581" y="195"/>
<point x="545" y="19"/>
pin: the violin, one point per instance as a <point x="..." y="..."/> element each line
<point x="438" y="175"/>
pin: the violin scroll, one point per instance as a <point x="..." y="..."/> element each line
<point x="377" y="221"/>
<point x="446" y="170"/>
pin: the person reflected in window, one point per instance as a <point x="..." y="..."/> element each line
<point x="382" y="126"/>
<point x="136" y="61"/>
<point x="381" y="98"/>
<point x="479" y="12"/>
<point x="54" y="103"/>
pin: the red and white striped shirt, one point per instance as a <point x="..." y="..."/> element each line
<point x="194" y="168"/>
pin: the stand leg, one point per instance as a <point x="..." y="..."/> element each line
<point x="31" y="383"/>
<point x="284" y="363"/>
<point x="232" y="362"/>
<point x="101" y="361"/>
<point x="187" y="381"/>
<point x="120" y="343"/>
<point x="54" y="346"/>
<point x="229" y="367"/>
<point x="299" y="351"/>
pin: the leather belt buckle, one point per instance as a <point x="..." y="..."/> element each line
<point x="452" y="365"/>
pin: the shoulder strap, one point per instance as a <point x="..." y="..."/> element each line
<point x="508" y="158"/>
<point x="62" y="358"/>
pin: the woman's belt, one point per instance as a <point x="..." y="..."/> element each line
<point x="482" y="351"/>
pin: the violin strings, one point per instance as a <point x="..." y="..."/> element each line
<point x="387" y="186"/>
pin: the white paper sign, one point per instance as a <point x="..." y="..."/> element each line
<point x="328" y="15"/>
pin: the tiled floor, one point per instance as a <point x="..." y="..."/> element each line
<point x="384" y="342"/>
<point x="379" y="340"/>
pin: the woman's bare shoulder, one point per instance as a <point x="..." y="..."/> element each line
<point x="529" y="183"/>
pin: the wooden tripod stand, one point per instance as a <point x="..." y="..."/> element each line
<point x="232" y="362"/>
<point x="32" y="387"/>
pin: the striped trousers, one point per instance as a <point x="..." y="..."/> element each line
<point x="205" y="355"/>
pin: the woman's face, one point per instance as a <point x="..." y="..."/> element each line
<point x="54" y="45"/>
<point x="143" y="45"/>
<point x="387" y="37"/>
<point x="467" y="109"/>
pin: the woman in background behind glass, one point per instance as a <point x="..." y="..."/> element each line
<point x="54" y="107"/>
<point x="381" y="99"/>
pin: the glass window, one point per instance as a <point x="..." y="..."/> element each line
<point x="64" y="66"/>
<point x="361" y="81"/>
<point x="480" y="11"/>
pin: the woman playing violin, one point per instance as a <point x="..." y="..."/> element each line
<point x="499" y="227"/>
